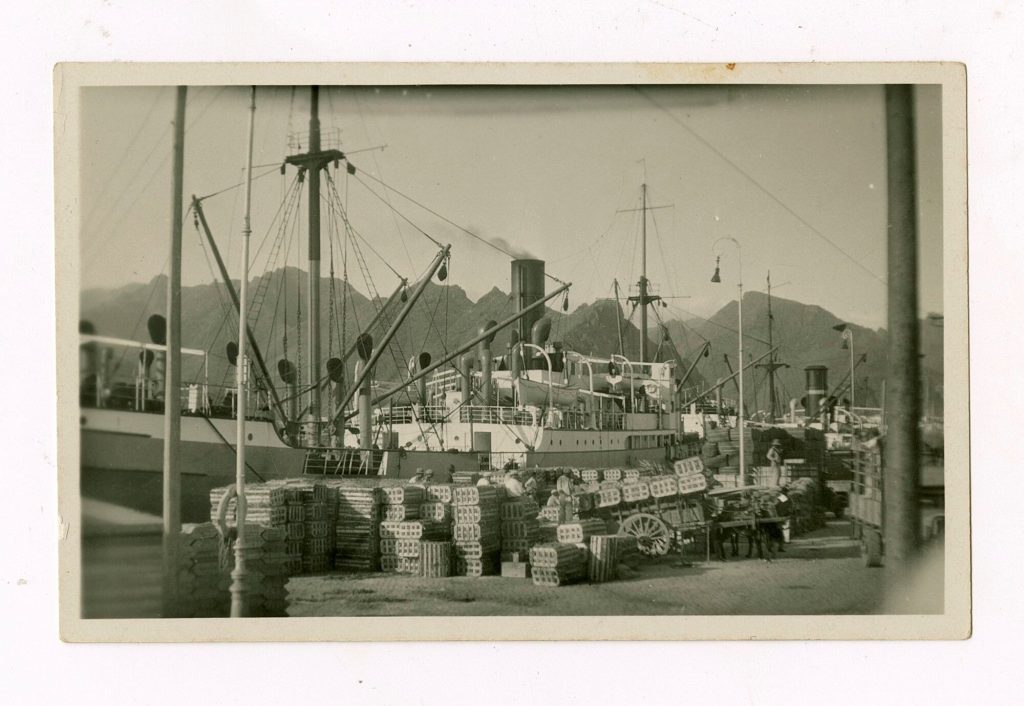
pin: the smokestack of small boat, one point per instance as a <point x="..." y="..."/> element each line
<point x="817" y="386"/>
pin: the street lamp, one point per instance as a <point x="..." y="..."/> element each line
<point x="847" y="334"/>
<point x="716" y="278"/>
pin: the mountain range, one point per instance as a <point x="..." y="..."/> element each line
<point x="445" y="316"/>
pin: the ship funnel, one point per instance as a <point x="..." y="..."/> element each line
<point x="527" y="288"/>
<point x="817" y="386"/>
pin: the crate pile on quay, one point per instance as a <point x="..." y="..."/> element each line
<point x="606" y="552"/>
<point x="273" y="504"/>
<point x="357" y="516"/>
<point x="804" y="449"/>
<point x="317" y="535"/>
<point x="205" y="565"/>
<point x="556" y="564"/>
<point x="476" y="529"/>
<point x="400" y="542"/>
<point x="520" y="531"/>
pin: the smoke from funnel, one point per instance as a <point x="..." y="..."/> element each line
<point x="511" y="249"/>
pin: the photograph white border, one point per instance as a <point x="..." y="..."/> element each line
<point x="955" y="623"/>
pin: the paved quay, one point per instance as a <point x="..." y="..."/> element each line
<point x="821" y="572"/>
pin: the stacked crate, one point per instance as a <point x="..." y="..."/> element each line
<point x="581" y="531"/>
<point x="464" y="477"/>
<point x="205" y="565"/>
<point x="435" y="559"/>
<point x="265" y="504"/>
<point x="273" y="504"/>
<point x="519" y="528"/>
<point x="400" y="542"/>
<point x="557" y="564"/>
<point x="402" y="502"/>
<point x="317" y="554"/>
<point x="295" y="529"/>
<point x="476" y="529"/>
<point x="437" y="503"/>
<point x="356" y="524"/>
<point x="606" y="552"/>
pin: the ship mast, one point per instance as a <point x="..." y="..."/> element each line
<point x="643" y="298"/>
<point x="310" y="164"/>
<point x="772" y="365"/>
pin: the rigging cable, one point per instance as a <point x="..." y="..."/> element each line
<point x="756" y="183"/>
<point x="449" y="221"/>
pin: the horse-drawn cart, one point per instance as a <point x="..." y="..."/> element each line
<point x="660" y="511"/>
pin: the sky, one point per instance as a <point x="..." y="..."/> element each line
<point x="795" y="174"/>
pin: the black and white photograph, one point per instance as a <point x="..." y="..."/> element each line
<point x="454" y="348"/>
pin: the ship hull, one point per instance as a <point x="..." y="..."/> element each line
<point x="122" y="459"/>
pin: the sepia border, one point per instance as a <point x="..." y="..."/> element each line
<point x="955" y="623"/>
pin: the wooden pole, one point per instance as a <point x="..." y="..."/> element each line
<point x="902" y="448"/>
<point x="172" y="378"/>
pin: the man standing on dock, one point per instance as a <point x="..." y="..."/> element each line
<point x="775" y="459"/>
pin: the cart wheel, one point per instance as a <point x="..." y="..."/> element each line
<point x="872" y="548"/>
<point x="653" y="537"/>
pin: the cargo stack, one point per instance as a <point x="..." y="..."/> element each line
<point x="317" y="555"/>
<point x="265" y="504"/>
<point x="476" y="530"/>
<point x="204" y="580"/>
<point x="400" y="542"/>
<point x="273" y="504"/>
<point x="581" y="531"/>
<point x="464" y="477"/>
<point x="437" y="504"/>
<point x="557" y="564"/>
<point x="606" y="552"/>
<point x="356" y="525"/>
<point x="520" y="530"/>
<point x="295" y="530"/>
<point x="436" y="559"/>
<point x="402" y="502"/>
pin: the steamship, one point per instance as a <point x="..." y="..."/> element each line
<point x="534" y="403"/>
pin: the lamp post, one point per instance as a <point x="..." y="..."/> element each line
<point x="239" y="575"/>
<point x="739" y="408"/>
<point x="847" y="335"/>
